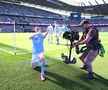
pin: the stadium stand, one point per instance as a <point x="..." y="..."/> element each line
<point x="23" y="15"/>
<point x="26" y="18"/>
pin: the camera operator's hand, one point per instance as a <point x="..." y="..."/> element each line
<point x="75" y="44"/>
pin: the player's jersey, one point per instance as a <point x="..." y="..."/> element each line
<point x="50" y="29"/>
<point x="37" y="42"/>
<point x="57" y="28"/>
<point x="64" y="28"/>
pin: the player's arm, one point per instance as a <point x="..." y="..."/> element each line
<point x="31" y="36"/>
<point x="46" y="32"/>
<point x="54" y="28"/>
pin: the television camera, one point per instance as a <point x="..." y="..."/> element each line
<point x="71" y="35"/>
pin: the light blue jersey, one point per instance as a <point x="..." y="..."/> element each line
<point x="64" y="28"/>
<point x="37" y="42"/>
<point x="50" y="30"/>
<point x="57" y="28"/>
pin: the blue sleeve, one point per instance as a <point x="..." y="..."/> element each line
<point x="43" y="36"/>
<point x="33" y="37"/>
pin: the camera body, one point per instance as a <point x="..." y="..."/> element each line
<point x="71" y="35"/>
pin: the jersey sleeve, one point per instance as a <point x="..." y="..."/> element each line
<point x="43" y="36"/>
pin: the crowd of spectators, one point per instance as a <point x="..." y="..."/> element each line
<point x="23" y="16"/>
<point x="13" y="9"/>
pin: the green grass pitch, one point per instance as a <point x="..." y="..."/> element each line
<point x="16" y="72"/>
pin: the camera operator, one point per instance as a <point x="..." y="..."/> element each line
<point x="90" y="37"/>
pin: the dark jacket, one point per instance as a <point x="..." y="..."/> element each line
<point x="94" y="42"/>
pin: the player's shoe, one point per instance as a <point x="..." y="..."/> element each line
<point x="89" y="76"/>
<point x="42" y="76"/>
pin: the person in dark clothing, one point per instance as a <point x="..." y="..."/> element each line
<point x="90" y="37"/>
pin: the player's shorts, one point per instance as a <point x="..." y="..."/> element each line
<point x="50" y="33"/>
<point x="35" y="58"/>
<point x="57" y="34"/>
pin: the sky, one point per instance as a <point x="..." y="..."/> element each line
<point x="75" y="2"/>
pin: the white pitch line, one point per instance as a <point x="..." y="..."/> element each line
<point x="7" y="51"/>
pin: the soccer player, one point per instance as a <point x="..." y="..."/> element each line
<point x="50" y="33"/>
<point x="64" y="28"/>
<point x="57" y="31"/>
<point x="38" y="50"/>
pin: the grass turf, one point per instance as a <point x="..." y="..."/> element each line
<point x="16" y="72"/>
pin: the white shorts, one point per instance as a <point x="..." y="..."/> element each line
<point x="57" y="34"/>
<point x="35" y="58"/>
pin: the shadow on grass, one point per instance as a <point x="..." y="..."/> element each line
<point x="63" y="81"/>
<point x="77" y="83"/>
<point x="98" y="81"/>
<point x="101" y="79"/>
<point x="73" y="81"/>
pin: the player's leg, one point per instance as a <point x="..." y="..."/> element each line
<point x="57" y="38"/>
<point x="35" y="60"/>
<point x="42" y="66"/>
<point x="48" y="38"/>
<point x="51" y="38"/>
